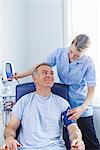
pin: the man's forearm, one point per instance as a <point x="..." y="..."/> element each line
<point x="74" y="132"/>
<point x="9" y="133"/>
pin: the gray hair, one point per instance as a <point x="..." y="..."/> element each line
<point x="36" y="68"/>
<point x="82" y="42"/>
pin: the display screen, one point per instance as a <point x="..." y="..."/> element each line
<point x="8" y="68"/>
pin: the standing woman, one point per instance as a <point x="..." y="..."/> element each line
<point x="77" y="70"/>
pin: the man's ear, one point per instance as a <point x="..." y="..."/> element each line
<point x="34" y="79"/>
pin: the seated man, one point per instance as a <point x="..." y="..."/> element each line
<point x="40" y="115"/>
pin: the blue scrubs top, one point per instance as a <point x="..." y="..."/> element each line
<point x="79" y="75"/>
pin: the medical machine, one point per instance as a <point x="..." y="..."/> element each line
<point x="7" y="90"/>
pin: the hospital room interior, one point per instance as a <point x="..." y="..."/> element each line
<point x="32" y="29"/>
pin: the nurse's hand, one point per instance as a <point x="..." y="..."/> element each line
<point x="76" y="112"/>
<point x="17" y="75"/>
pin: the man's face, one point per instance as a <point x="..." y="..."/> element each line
<point x="44" y="77"/>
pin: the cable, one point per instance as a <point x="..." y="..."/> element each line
<point x="17" y="81"/>
<point x="1" y="115"/>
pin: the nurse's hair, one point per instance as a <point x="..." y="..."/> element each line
<point x="39" y="65"/>
<point x="81" y="42"/>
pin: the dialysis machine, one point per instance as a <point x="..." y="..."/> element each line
<point x="7" y="90"/>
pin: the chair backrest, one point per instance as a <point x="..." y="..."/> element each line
<point x="58" y="88"/>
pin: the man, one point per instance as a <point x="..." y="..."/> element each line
<point x="40" y="114"/>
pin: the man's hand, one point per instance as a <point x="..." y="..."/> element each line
<point x="12" y="143"/>
<point x="77" y="145"/>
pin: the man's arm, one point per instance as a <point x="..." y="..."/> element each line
<point x="75" y="137"/>
<point x="10" y="133"/>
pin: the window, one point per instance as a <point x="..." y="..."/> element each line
<point x="86" y="19"/>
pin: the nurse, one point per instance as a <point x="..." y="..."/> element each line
<point x="77" y="70"/>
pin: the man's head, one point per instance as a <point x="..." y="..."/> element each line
<point x="78" y="46"/>
<point x="43" y="76"/>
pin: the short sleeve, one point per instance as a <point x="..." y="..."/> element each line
<point x="51" y="59"/>
<point x="91" y="76"/>
<point x="19" y="107"/>
<point x="65" y="105"/>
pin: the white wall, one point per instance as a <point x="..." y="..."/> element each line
<point x="45" y="28"/>
<point x="29" y="30"/>
<point x="13" y="32"/>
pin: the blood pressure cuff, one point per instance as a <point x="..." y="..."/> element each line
<point x="65" y="117"/>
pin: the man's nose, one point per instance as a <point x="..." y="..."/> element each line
<point x="72" y="55"/>
<point x="49" y="75"/>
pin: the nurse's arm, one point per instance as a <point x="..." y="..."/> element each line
<point x="78" y="111"/>
<point x="23" y="74"/>
<point x="89" y="97"/>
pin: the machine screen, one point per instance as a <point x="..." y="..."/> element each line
<point x="8" y="68"/>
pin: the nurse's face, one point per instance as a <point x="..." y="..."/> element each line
<point x="74" y="53"/>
